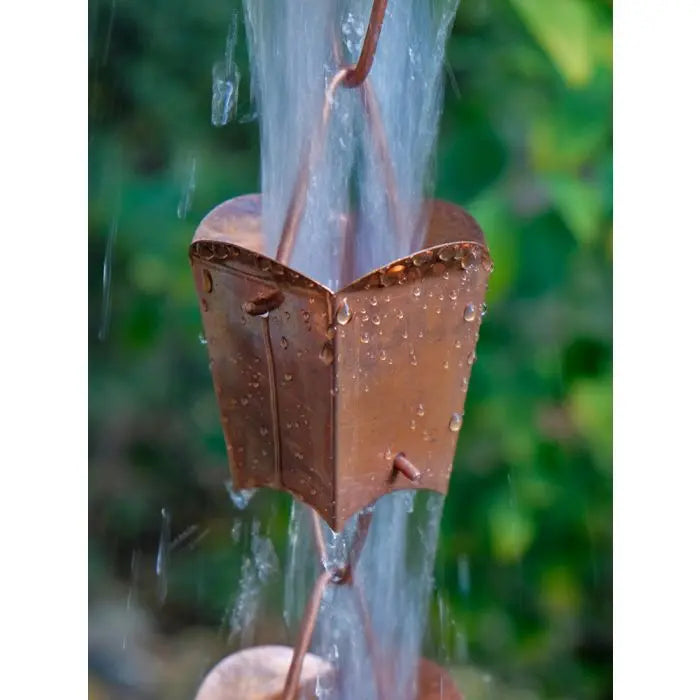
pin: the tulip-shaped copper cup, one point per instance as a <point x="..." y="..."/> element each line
<point x="340" y="396"/>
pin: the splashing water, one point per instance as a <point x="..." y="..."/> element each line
<point x="225" y="80"/>
<point x="258" y="569"/>
<point x="239" y="497"/>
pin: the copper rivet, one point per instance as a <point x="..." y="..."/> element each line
<point x="407" y="468"/>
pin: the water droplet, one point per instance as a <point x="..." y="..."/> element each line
<point x="326" y="354"/>
<point x="465" y="383"/>
<point x="364" y="338"/>
<point x="455" y="422"/>
<point x="376" y="320"/>
<point x="399" y="314"/>
<point x="422" y="258"/>
<point x="416" y="291"/>
<point x="483" y="309"/>
<point x="288" y="377"/>
<point x="471" y="358"/>
<point x="414" y="359"/>
<point x="382" y="354"/>
<point x="446" y="275"/>
<point x="447" y="253"/>
<point x="388" y="454"/>
<point x="445" y="365"/>
<point x="344" y="313"/>
<point x="263" y="431"/>
<point x="330" y="332"/>
<point x="453" y="294"/>
<point x="202" y="339"/>
<point x="458" y="343"/>
<point x="364" y="317"/>
<point x="470" y="312"/>
<point x="299" y="456"/>
<point x="373" y="301"/>
<point x="412" y="425"/>
<point x="244" y="400"/>
<point x="421" y="410"/>
<point x="284" y="343"/>
<point x="487" y="264"/>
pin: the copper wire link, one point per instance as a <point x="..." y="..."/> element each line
<point x="351" y="77"/>
<point x="338" y="576"/>
<point x="361" y="69"/>
<point x="291" y="685"/>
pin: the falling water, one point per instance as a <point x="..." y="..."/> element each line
<point x="374" y="157"/>
<point x="106" y="310"/>
<point x="378" y="621"/>
<point x="363" y="171"/>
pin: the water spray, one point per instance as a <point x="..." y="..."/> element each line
<point x="345" y="390"/>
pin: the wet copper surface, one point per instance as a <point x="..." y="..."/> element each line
<point x="320" y="391"/>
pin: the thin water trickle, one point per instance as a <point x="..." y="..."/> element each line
<point x="106" y="310"/>
<point x="163" y="556"/>
<point x="188" y="187"/>
<point x="225" y="80"/>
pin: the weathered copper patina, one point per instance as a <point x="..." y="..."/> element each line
<point x="320" y="391"/>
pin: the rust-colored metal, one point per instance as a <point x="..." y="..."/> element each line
<point x="291" y="684"/>
<point x="359" y="72"/>
<point x="318" y="394"/>
<point x="407" y="468"/>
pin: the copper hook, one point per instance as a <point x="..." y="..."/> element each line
<point x="358" y="73"/>
<point x="348" y="76"/>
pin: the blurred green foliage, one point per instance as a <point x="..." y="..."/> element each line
<point x="524" y="567"/>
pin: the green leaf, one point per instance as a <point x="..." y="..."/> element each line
<point x="564" y="30"/>
<point x="512" y="532"/>
<point x="580" y="204"/>
<point x="591" y="408"/>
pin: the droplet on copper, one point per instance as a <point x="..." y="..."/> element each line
<point x="344" y="313"/>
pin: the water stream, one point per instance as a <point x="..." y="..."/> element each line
<point x="369" y="174"/>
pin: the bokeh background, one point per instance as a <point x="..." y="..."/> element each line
<point x="523" y="580"/>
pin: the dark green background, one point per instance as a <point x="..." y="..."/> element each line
<point x="526" y="146"/>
